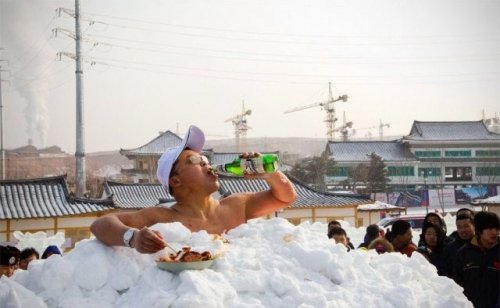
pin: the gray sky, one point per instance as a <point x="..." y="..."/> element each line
<point x="156" y="65"/>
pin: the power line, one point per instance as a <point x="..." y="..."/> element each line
<point x="30" y="48"/>
<point x="41" y="76"/>
<point x="99" y="61"/>
<point x="281" y="34"/>
<point x="397" y="60"/>
<point x="302" y="82"/>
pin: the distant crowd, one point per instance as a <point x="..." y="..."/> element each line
<point x="12" y="258"/>
<point x="469" y="255"/>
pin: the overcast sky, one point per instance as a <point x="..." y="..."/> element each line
<point x="156" y="65"/>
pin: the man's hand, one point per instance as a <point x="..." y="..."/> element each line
<point x="147" y="241"/>
<point x="250" y="155"/>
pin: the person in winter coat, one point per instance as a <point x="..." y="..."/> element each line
<point x="433" y="246"/>
<point x="462" y="211"/>
<point x="372" y="233"/>
<point x="478" y="264"/>
<point x="400" y="237"/>
<point x="9" y="261"/>
<point x="334" y="224"/>
<point x="381" y="245"/>
<point x="464" y="234"/>
<point x="339" y="235"/>
<point x="437" y="219"/>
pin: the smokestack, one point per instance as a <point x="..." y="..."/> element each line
<point x="20" y="29"/>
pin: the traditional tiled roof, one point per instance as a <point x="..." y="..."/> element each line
<point x="359" y="151"/>
<point x="306" y="196"/>
<point x="134" y="196"/>
<point x="449" y="131"/>
<point x="43" y="198"/>
<point x="156" y="146"/>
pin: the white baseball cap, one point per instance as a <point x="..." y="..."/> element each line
<point x="194" y="140"/>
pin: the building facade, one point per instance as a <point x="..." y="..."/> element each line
<point x="438" y="158"/>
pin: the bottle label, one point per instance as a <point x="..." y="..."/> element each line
<point x="252" y="165"/>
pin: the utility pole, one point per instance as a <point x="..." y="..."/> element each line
<point x="80" y="129"/>
<point x="80" y="176"/>
<point x="2" y="164"/>
<point x="2" y="150"/>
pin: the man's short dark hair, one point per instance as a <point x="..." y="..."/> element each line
<point x="333" y="224"/>
<point x="336" y="231"/>
<point x="28" y="252"/>
<point x="465" y="216"/>
<point x="486" y="220"/>
<point x="465" y="211"/>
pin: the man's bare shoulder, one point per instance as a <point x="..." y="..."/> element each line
<point x="234" y="200"/>
<point x="155" y="214"/>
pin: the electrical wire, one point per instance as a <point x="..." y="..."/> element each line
<point x="239" y="32"/>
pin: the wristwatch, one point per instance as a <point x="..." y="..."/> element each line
<point x="127" y="237"/>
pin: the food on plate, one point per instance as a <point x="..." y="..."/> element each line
<point x="186" y="255"/>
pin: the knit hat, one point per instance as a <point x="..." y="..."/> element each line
<point x="486" y="220"/>
<point x="50" y="250"/>
<point x="9" y="255"/>
<point x="194" y="140"/>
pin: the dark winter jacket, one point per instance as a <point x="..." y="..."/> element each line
<point x="450" y="255"/>
<point x="478" y="271"/>
<point x="435" y="257"/>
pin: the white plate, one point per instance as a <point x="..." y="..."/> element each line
<point x="176" y="267"/>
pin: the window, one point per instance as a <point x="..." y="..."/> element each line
<point x="424" y="154"/>
<point x="401" y="171"/>
<point x="143" y="165"/>
<point x="462" y="153"/>
<point x="487" y="171"/>
<point x="458" y="174"/>
<point x="428" y="172"/>
<point x="339" y="171"/>
<point x="491" y="153"/>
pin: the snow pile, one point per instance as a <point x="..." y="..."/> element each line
<point x="377" y="206"/>
<point x="265" y="263"/>
<point x="491" y="200"/>
<point x="38" y="240"/>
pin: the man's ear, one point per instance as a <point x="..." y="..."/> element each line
<point x="174" y="181"/>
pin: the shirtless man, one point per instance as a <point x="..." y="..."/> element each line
<point x="186" y="174"/>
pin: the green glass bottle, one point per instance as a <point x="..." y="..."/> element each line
<point x="261" y="164"/>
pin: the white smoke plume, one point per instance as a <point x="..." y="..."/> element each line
<point x="26" y="44"/>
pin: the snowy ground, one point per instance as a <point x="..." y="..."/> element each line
<point x="266" y="263"/>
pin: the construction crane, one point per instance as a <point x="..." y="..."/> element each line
<point x="329" y="107"/>
<point x="241" y="127"/>
<point x="344" y="129"/>
<point x="380" y="129"/>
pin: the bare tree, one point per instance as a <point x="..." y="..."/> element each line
<point x="314" y="170"/>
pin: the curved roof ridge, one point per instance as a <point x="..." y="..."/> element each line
<point x="154" y="145"/>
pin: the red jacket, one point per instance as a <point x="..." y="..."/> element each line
<point x="407" y="250"/>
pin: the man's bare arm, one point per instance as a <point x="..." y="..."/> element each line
<point x="280" y="195"/>
<point x="109" y="229"/>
